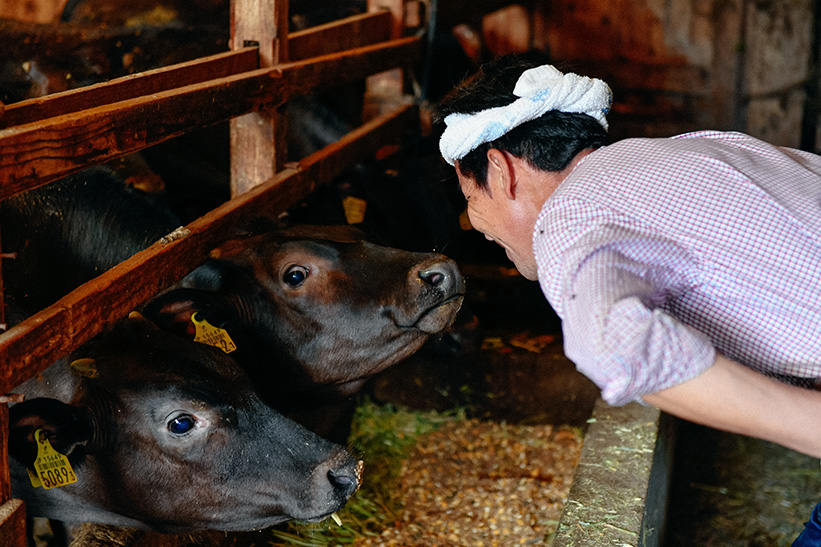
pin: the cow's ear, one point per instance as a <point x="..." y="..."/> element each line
<point x="210" y="276"/>
<point x="173" y="311"/>
<point x="68" y="428"/>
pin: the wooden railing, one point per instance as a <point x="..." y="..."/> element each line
<point x="47" y="138"/>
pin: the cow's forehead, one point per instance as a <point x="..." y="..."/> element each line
<point x="137" y="352"/>
<point x="339" y="233"/>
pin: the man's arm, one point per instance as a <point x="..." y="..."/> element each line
<point x="734" y="398"/>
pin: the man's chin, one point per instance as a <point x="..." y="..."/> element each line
<point x="526" y="270"/>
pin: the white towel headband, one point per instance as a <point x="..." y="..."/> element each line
<point x="539" y="90"/>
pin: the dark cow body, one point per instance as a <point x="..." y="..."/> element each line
<point x="314" y="310"/>
<point x="70" y="231"/>
<point x="170" y="435"/>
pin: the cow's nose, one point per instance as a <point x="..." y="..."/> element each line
<point x="444" y="275"/>
<point x="344" y="481"/>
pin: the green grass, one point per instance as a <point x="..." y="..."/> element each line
<point x="383" y="437"/>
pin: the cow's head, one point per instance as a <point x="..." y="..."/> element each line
<point x="169" y="434"/>
<point x="329" y="309"/>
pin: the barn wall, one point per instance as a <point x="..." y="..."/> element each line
<point x="675" y="65"/>
<point x="678" y="65"/>
<point x="33" y="11"/>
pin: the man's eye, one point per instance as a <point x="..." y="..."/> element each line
<point x="181" y="424"/>
<point x="295" y="276"/>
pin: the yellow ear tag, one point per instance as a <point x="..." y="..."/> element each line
<point x="354" y="209"/>
<point x="51" y="469"/>
<point x="35" y="480"/>
<point x="85" y="367"/>
<point x="208" y="334"/>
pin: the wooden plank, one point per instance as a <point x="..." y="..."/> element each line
<point x="348" y="33"/>
<point x="387" y="85"/>
<point x="34" y="344"/>
<point x="13" y="524"/>
<point x="5" y="478"/>
<point x="262" y="24"/>
<point x="34" y="154"/>
<point x="727" y="70"/>
<point x="12" y="512"/>
<point x="397" y="10"/>
<point x="129" y="87"/>
<point x="3" y="325"/>
<point x="257" y="146"/>
<point x="40" y="11"/>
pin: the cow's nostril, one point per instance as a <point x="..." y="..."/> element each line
<point x="343" y="481"/>
<point x="432" y="277"/>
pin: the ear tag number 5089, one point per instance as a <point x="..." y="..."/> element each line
<point x="51" y="469"/>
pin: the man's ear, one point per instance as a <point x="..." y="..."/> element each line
<point x="68" y="428"/>
<point x="501" y="173"/>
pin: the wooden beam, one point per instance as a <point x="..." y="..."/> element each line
<point x="397" y="10"/>
<point x="262" y="24"/>
<point x="34" y="154"/>
<point x="388" y="85"/>
<point x="150" y="82"/>
<point x="43" y="11"/>
<point x="5" y="478"/>
<point x="351" y="32"/>
<point x="348" y="33"/>
<point x="13" y="524"/>
<point x="12" y="512"/>
<point x="34" y="344"/>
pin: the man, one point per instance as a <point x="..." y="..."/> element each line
<point x="686" y="271"/>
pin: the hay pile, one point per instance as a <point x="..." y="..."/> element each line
<point x="473" y="483"/>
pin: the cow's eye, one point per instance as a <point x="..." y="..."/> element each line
<point x="181" y="424"/>
<point x="295" y="276"/>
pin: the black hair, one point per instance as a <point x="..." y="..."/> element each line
<point x="548" y="142"/>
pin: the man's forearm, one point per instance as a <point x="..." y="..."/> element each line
<point x="732" y="397"/>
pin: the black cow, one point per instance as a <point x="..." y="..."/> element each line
<point x="314" y="311"/>
<point x="170" y="435"/>
<point x="72" y="230"/>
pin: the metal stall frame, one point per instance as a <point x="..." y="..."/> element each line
<point x="44" y="139"/>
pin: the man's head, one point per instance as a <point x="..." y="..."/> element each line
<point x="514" y="131"/>
<point x="548" y="141"/>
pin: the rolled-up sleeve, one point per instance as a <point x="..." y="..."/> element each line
<point x="614" y="286"/>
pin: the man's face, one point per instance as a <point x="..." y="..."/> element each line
<point x="501" y="220"/>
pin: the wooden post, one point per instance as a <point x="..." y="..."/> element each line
<point x="12" y="511"/>
<point x="729" y="112"/>
<point x="385" y="87"/>
<point x="43" y="11"/>
<point x="397" y="9"/>
<point x="257" y="143"/>
<point x="5" y="478"/>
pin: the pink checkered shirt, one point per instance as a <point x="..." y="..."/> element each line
<point x="656" y="253"/>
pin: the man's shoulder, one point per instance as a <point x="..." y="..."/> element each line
<point x="673" y="144"/>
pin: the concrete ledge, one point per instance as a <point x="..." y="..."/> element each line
<point x="619" y="491"/>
